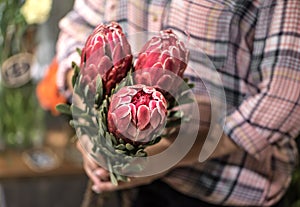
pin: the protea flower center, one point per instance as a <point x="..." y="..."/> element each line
<point x="137" y="114"/>
<point x="141" y="98"/>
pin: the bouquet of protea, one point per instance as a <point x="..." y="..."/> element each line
<point x="121" y="106"/>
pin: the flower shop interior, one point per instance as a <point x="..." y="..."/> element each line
<point x="40" y="165"/>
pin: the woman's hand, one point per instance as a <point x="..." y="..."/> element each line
<point x="100" y="176"/>
<point x="96" y="173"/>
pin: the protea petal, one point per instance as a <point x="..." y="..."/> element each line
<point x="146" y="108"/>
<point x="143" y="117"/>
<point x="144" y="135"/>
<point x="118" y="54"/>
<point x="143" y="77"/>
<point x="108" y="49"/>
<point x="140" y="61"/>
<point x="161" y="107"/>
<point x="115" y="103"/>
<point x="149" y="90"/>
<point x="133" y="113"/>
<point x="125" y="91"/>
<point x="164" y="51"/>
<point x="104" y="65"/>
<point x="122" y="111"/>
<point x="123" y="123"/>
<point x="126" y="46"/>
<point x="132" y="130"/>
<point x="152" y="59"/>
<point x="152" y="105"/>
<point x="165" y="82"/>
<point x="125" y="100"/>
<point x="155" y="119"/>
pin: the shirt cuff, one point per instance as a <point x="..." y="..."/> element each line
<point x="247" y="136"/>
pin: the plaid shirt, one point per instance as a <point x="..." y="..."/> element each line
<point x="254" y="46"/>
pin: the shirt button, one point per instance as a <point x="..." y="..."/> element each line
<point x="154" y="18"/>
<point x="112" y="7"/>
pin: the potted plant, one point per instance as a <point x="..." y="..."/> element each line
<point x="21" y="118"/>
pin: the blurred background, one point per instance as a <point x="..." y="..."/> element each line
<point x="39" y="165"/>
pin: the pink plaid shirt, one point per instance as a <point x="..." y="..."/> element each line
<point x="254" y="46"/>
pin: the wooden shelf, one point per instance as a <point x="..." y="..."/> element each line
<point x="58" y="139"/>
<point x="12" y="165"/>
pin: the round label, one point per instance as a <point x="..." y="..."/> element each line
<point x="16" y="70"/>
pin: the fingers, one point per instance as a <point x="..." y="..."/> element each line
<point x="100" y="176"/>
<point x="88" y="164"/>
<point x="104" y="186"/>
<point x="69" y="77"/>
<point x="97" y="174"/>
<point x="80" y="148"/>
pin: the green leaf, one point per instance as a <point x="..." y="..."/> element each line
<point x="86" y="90"/>
<point x="99" y="85"/>
<point x="75" y="67"/>
<point x="129" y="147"/>
<point x="113" y="178"/>
<point x="120" y="147"/>
<point x="133" y="168"/>
<point x="173" y="123"/>
<point x="77" y="87"/>
<point x="154" y="140"/>
<point x="122" y="178"/>
<point x="114" y="140"/>
<point x="176" y="114"/>
<point x="74" y="79"/>
<point x="75" y="110"/>
<point x="129" y="79"/>
<point x="99" y="91"/>
<point x="72" y="123"/>
<point x="191" y="85"/>
<point x="94" y="149"/>
<point x="76" y="73"/>
<point x="101" y="131"/>
<point x="119" y="86"/>
<point x="108" y="139"/>
<point x="141" y="153"/>
<point x="186" y="80"/>
<point x="88" y="130"/>
<point x="186" y="100"/>
<point x="120" y="151"/>
<point x="64" y="108"/>
<point x="97" y="100"/>
<point x="79" y="51"/>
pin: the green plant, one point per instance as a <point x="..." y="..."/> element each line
<point x="21" y="118"/>
<point x="13" y="28"/>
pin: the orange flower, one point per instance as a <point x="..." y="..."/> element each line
<point x="47" y="91"/>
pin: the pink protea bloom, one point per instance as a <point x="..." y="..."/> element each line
<point x="137" y="114"/>
<point x="162" y="57"/>
<point x="107" y="53"/>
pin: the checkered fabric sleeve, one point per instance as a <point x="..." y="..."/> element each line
<point x="254" y="47"/>
<point x="272" y="114"/>
<point x="74" y="30"/>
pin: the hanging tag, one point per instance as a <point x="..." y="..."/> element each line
<point x="16" y="70"/>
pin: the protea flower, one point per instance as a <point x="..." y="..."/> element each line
<point x="162" y="58"/>
<point x="137" y="114"/>
<point x="108" y="53"/>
